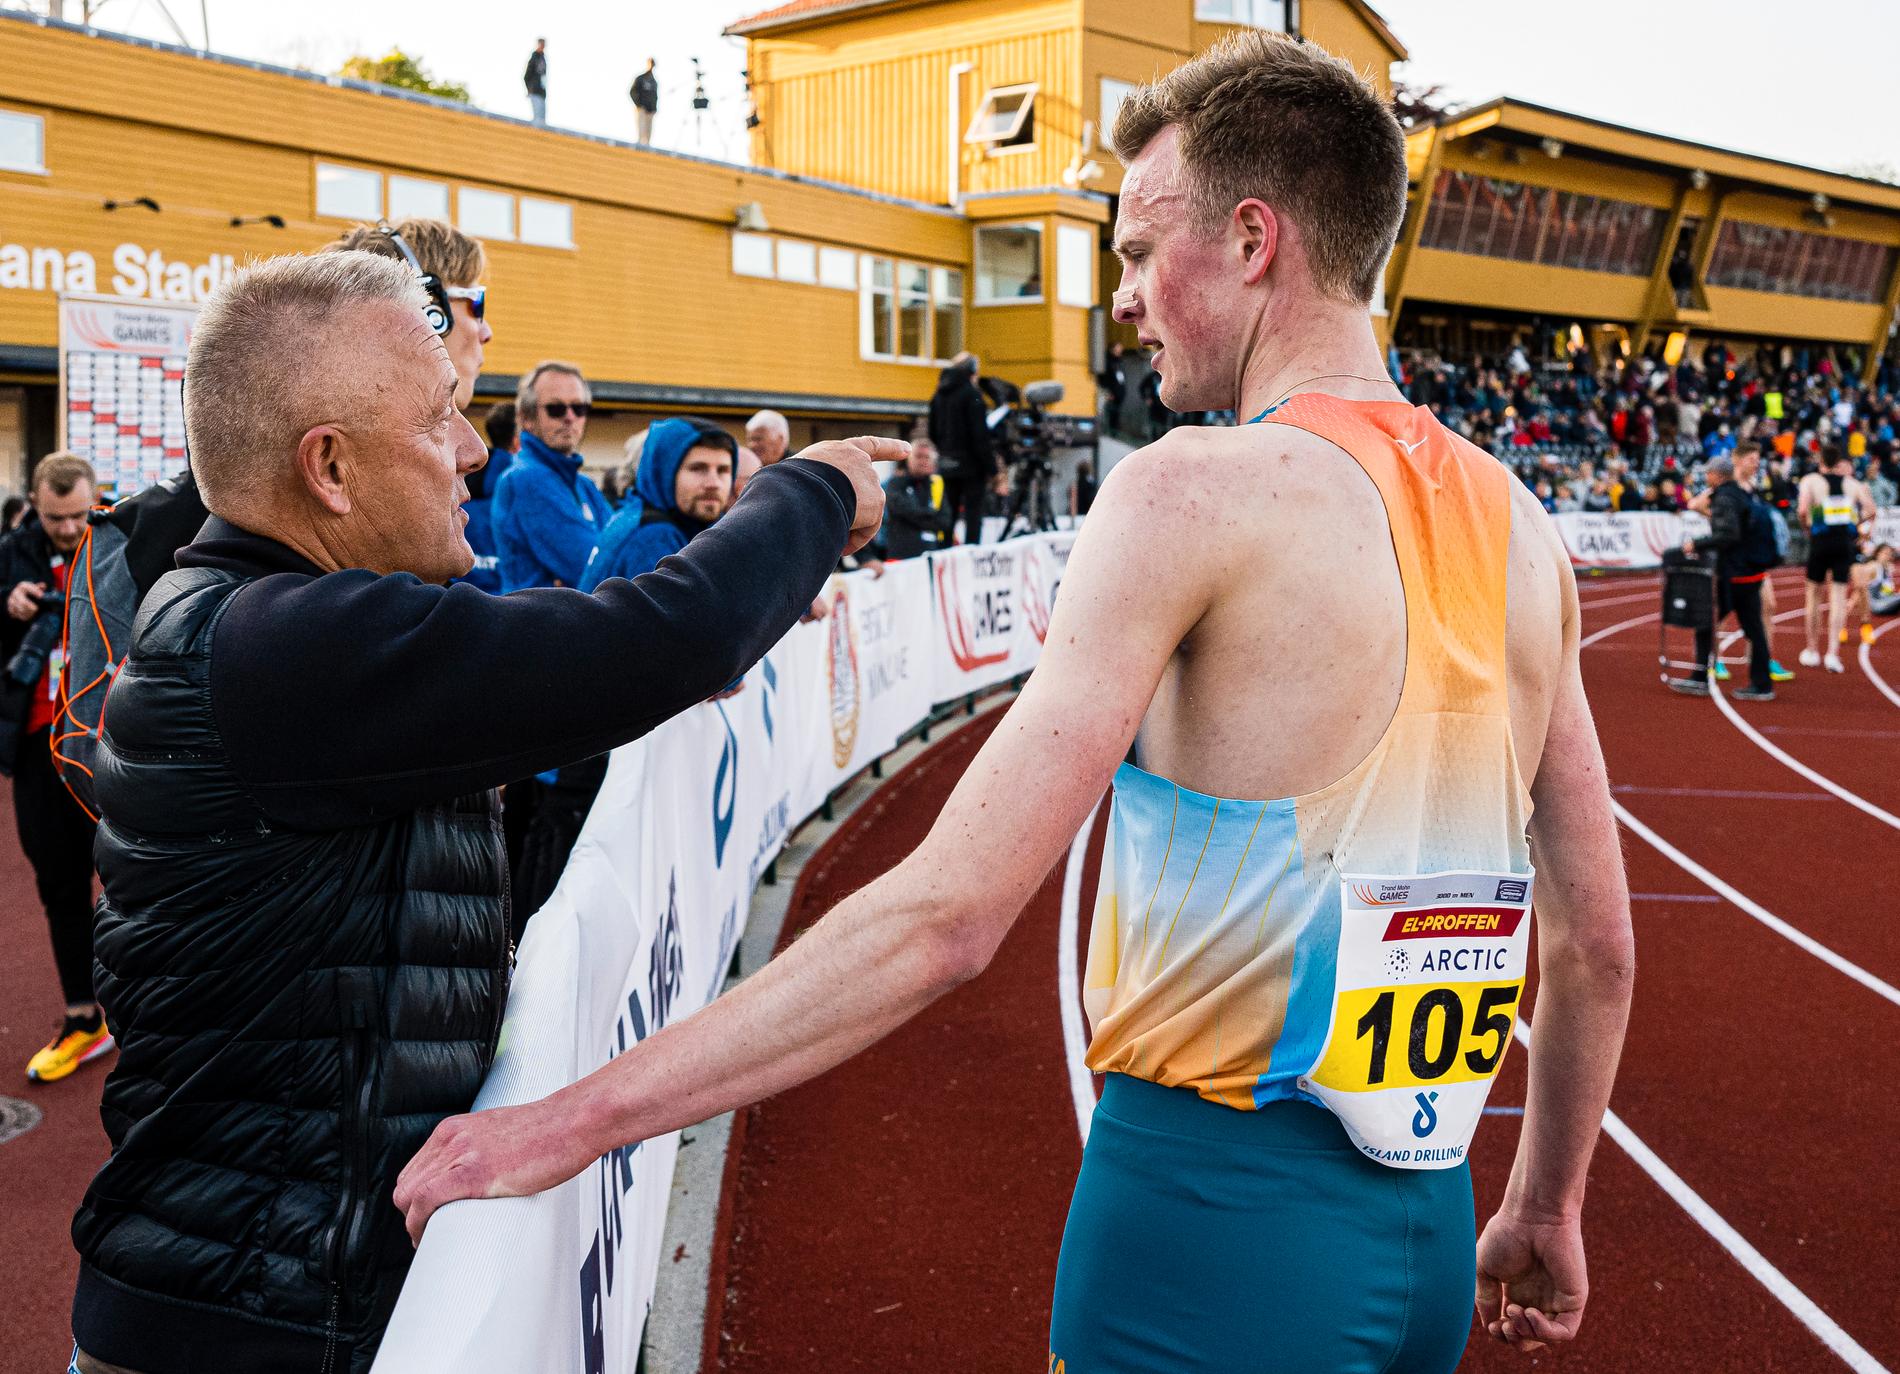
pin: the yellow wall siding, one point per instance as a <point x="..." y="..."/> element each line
<point x="867" y="102"/>
<point x="1466" y="278"/>
<point x="1768" y="315"/>
<point x="1343" y="32"/>
<point x="1583" y="175"/>
<point x="649" y="296"/>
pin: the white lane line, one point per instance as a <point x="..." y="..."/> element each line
<point x="1755" y="909"/>
<point x="1591" y="605"/>
<point x="1781" y="755"/>
<point x="1605" y="633"/>
<point x="1867" y="665"/>
<point x="1804" y="1308"/>
<point x="1074" y="1037"/>
<point x="1743" y="902"/>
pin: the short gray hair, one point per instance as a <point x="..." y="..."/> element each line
<point x="769" y="420"/>
<point x="248" y="392"/>
<point x="525" y="398"/>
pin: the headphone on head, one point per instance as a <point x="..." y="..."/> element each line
<point x="441" y="319"/>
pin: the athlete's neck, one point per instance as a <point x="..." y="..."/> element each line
<point x="1326" y="343"/>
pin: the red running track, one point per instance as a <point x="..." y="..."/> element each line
<point x="905" y="1210"/>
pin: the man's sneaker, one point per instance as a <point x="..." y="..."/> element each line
<point x="1751" y="694"/>
<point x="1777" y="673"/>
<point x="1721" y="672"/>
<point x="1866" y="634"/>
<point x="1688" y="687"/>
<point x="1810" y="659"/>
<point x="80" y="1039"/>
<point x="1833" y="664"/>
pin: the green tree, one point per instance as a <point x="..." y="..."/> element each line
<point x="401" y="70"/>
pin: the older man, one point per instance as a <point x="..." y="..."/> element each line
<point x="548" y="513"/>
<point x="302" y="944"/>
<point x="768" y="435"/>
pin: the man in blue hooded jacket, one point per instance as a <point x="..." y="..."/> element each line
<point x="547" y="513"/>
<point x="684" y="483"/>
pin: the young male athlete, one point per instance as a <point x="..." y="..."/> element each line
<point x="1298" y="1002"/>
<point x="1837" y="509"/>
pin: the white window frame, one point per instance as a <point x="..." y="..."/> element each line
<point x="976" y="265"/>
<point x="1073" y="289"/>
<point x="985" y="111"/>
<point x="1245" y="12"/>
<point x="390" y="192"/>
<point x="798" y="262"/>
<point x="462" y="196"/>
<point x="940" y="296"/>
<point x="567" y="212"/>
<point x="1105" y="113"/>
<point x="374" y="214"/>
<point x="931" y="300"/>
<point x="38" y="166"/>
<point x="745" y="244"/>
<point x="837" y="267"/>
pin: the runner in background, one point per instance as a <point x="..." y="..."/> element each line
<point x="1838" y="510"/>
<point x="1875" y="591"/>
<point x="1264" y="1174"/>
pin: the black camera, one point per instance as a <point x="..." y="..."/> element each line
<point x="42" y="637"/>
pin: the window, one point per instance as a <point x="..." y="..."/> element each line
<point x="1008" y="264"/>
<point x="485" y="214"/>
<point x="349" y="192"/>
<point x="752" y="255"/>
<point x="1075" y="266"/>
<point x="797" y="261"/>
<point x="880" y="309"/>
<point x="947" y="292"/>
<point x="413" y="198"/>
<point x="1794" y="262"/>
<point x="838" y="267"/>
<point x="1508" y="219"/>
<point x="1006" y="118"/>
<point x="22" y="142"/>
<point x="549" y="223"/>
<point x="1113" y="93"/>
<point x="913" y="311"/>
<point x="910" y="312"/>
<point x="1260" y="14"/>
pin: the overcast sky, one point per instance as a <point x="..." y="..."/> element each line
<point x="1809" y="83"/>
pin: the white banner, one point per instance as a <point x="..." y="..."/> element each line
<point x="644" y="923"/>
<point x="121" y="385"/>
<point x="1625" y="539"/>
<point x="1887" y="526"/>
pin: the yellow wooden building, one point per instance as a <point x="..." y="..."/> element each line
<point x="928" y="176"/>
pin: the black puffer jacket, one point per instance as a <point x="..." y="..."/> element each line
<point x="296" y="1020"/>
<point x="302" y="944"/>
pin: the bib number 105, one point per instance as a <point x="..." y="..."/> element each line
<point x="1412" y="1035"/>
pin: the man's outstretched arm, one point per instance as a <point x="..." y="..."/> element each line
<point x="1532" y="1282"/>
<point x="1133" y="588"/>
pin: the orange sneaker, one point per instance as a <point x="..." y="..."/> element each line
<point x="80" y="1040"/>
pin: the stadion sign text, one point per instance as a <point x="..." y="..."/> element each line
<point x="137" y="272"/>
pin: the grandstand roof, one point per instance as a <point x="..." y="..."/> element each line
<point x="1509" y="115"/>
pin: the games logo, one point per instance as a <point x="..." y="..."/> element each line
<point x="841" y="672"/>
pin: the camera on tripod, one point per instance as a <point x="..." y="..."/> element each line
<point x="1026" y="435"/>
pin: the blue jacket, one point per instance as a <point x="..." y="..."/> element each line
<point x="650" y="525"/>
<point x="545" y="519"/>
<point x="486" y="573"/>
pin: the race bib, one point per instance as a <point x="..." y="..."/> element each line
<point x="1430" y="969"/>
<point x="1839" y="510"/>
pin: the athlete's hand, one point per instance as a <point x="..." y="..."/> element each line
<point x="1531" y="1281"/>
<point x="23" y="602"/>
<point x="502" y="1152"/>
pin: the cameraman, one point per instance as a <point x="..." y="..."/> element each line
<point x="962" y="439"/>
<point x="55" y="833"/>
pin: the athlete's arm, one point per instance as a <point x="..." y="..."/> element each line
<point x="1139" y="578"/>
<point x="1531" y="1278"/>
<point x="1804" y="499"/>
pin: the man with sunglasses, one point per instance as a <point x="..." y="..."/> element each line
<point x="548" y="514"/>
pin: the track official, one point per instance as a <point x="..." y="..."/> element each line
<point x="302" y="946"/>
